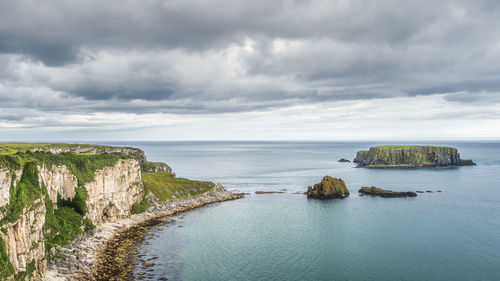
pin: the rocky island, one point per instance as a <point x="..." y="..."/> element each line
<point x="375" y="191"/>
<point x="54" y="198"/>
<point x="328" y="188"/>
<point x="402" y="156"/>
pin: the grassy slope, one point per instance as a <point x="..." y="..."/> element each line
<point x="167" y="187"/>
<point x="15" y="147"/>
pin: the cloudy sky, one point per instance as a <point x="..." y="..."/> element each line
<point x="230" y="69"/>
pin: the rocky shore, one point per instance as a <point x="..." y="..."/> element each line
<point x="103" y="254"/>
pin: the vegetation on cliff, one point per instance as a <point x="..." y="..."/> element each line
<point x="22" y="195"/>
<point x="63" y="224"/>
<point x="82" y="149"/>
<point x="26" y="164"/>
<point x="328" y="188"/>
<point x="6" y="268"/>
<point x="393" y="156"/>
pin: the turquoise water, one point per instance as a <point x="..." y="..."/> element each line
<point x="452" y="235"/>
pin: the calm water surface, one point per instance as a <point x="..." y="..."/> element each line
<point x="452" y="235"/>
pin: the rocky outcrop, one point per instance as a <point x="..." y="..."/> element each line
<point x="328" y="188"/>
<point x="24" y="241"/>
<point x="375" y="191"/>
<point x="114" y="190"/>
<point x="394" y="156"/>
<point x="156" y="167"/>
<point x="343" y="160"/>
<point x="59" y="181"/>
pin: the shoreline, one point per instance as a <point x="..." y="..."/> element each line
<point x="103" y="254"/>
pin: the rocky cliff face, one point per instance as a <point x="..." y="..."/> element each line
<point x="410" y="156"/>
<point x="113" y="191"/>
<point x="24" y="241"/>
<point x="59" y="181"/>
<point x="109" y="196"/>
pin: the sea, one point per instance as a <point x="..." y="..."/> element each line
<point x="449" y="235"/>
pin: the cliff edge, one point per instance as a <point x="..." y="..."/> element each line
<point x="394" y="156"/>
<point x="52" y="194"/>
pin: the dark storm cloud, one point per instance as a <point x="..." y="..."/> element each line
<point x="178" y="56"/>
<point x="55" y="31"/>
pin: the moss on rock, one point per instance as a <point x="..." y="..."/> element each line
<point x="6" y="268"/>
<point x="401" y="156"/>
<point x="376" y="191"/>
<point x="328" y="188"/>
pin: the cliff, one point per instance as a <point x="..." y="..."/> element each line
<point x="50" y="194"/>
<point x="391" y="156"/>
<point x="328" y="188"/>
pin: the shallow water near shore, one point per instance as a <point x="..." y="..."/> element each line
<point x="448" y="235"/>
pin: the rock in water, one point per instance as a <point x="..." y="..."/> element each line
<point x="343" y="160"/>
<point x="400" y="156"/>
<point x="373" y="190"/>
<point x="328" y="188"/>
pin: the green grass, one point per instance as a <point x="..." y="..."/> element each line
<point x="83" y="166"/>
<point x="61" y="225"/>
<point x="15" y="147"/>
<point x="23" y="194"/>
<point x="139" y="207"/>
<point x="30" y="268"/>
<point x="389" y="147"/>
<point x="78" y="203"/>
<point x="167" y="187"/>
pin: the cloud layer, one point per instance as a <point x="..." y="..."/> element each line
<point x="94" y="65"/>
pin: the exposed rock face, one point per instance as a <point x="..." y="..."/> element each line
<point x="328" y="188"/>
<point x="373" y="190"/>
<point x="24" y="240"/>
<point x="7" y="178"/>
<point x="59" y="181"/>
<point x="410" y="156"/>
<point x="111" y="195"/>
<point x="114" y="190"/>
<point x="5" y="182"/>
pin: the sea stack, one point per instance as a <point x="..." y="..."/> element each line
<point x="328" y="188"/>
<point x="401" y="156"/>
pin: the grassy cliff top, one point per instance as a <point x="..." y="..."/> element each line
<point x="166" y="186"/>
<point x="15" y="147"/>
<point x="390" y="147"/>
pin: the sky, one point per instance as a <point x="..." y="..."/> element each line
<point x="249" y="70"/>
